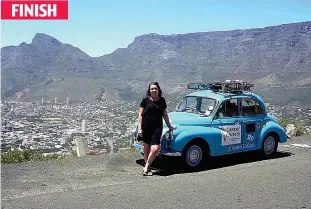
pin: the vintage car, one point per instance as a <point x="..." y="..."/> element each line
<point x="219" y="118"/>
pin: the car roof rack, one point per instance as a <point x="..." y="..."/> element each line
<point x="227" y="86"/>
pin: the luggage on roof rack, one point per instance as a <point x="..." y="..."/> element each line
<point x="227" y="86"/>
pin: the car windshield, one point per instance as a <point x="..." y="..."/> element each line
<point x="198" y="105"/>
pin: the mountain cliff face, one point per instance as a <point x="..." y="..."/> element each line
<point x="270" y="57"/>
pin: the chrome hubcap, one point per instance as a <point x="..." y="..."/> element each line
<point x="269" y="145"/>
<point x="194" y="155"/>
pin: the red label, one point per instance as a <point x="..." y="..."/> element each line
<point x="34" y="10"/>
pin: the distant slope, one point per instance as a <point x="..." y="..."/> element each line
<point x="271" y="57"/>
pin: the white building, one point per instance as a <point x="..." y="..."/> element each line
<point x="83" y="127"/>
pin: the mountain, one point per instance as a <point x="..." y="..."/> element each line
<point x="276" y="58"/>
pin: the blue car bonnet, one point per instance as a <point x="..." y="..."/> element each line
<point x="188" y="119"/>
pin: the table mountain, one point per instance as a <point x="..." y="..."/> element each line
<point x="276" y="58"/>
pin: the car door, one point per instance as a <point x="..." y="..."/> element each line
<point x="252" y="119"/>
<point x="228" y="120"/>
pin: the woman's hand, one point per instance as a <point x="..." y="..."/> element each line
<point x="170" y="128"/>
<point x="140" y="132"/>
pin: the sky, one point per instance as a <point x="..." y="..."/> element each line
<point x="99" y="27"/>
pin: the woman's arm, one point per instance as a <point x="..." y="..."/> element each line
<point x="166" y="119"/>
<point x="140" y="119"/>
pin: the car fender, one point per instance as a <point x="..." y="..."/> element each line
<point x="272" y="126"/>
<point x="209" y="134"/>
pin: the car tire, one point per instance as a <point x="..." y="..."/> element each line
<point x="194" y="155"/>
<point x="269" y="146"/>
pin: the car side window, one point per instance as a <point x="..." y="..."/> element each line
<point x="182" y="105"/>
<point x="251" y="107"/>
<point x="228" y="109"/>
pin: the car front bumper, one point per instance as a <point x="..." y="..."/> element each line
<point x="139" y="146"/>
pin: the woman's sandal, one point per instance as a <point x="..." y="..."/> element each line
<point x="147" y="173"/>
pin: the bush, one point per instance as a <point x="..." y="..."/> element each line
<point x="73" y="153"/>
<point x="18" y="156"/>
<point x="283" y="123"/>
<point x="299" y="127"/>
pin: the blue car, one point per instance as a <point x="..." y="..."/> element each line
<point x="216" y="119"/>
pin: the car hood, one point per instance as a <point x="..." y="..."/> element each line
<point x="188" y="119"/>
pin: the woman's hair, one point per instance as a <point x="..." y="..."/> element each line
<point x="148" y="94"/>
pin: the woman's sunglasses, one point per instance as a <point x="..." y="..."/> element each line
<point x="154" y="83"/>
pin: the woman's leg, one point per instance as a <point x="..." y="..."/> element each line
<point x="155" y="145"/>
<point x="152" y="155"/>
<point x="147" y="148"/>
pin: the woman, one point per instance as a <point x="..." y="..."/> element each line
<point x="150" y="123"/>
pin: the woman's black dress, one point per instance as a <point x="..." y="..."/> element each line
<point x="152" y="122"/>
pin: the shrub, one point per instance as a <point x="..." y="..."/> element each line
<point x="299" y="127"/>
<point x="283" y="122"/>
<point x="18" y="156"/>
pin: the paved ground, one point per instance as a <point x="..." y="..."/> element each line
<point x="114" y="181"/>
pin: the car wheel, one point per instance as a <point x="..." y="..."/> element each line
<point x="269" y="145"/>
<point x="193" y="155"/>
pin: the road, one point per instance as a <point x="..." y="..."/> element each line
<point x="115" y="181"/>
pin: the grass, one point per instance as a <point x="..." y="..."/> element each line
<point x="131" y="150"/>
<point x="19" y="156"/>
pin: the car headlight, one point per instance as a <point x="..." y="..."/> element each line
<point x="169" y="135"/>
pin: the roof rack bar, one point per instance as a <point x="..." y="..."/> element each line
<point x="227" y="86"/>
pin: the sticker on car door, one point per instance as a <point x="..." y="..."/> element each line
<point x="231" y="135"/>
